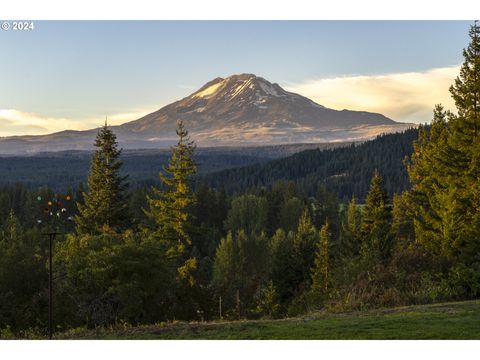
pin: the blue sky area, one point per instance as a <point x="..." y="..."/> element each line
<point x="80" y="70"/>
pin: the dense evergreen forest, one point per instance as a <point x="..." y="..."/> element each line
<point x="276" y="240"/>
<point x="344" y="168"/>
<point x="345" y="171"/>
<point x="66" y="169"/>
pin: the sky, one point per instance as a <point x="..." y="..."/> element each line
<point x="71" y="74"/>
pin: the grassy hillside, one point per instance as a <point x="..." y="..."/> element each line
<point x="460" y="320"/>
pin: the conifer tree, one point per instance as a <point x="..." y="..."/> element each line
<point x="428" y="165"/>
<point x="376" y="218"/>
<point x="350" y="230"/>
<point x="445" y="169"/>
<point x="466" y="94"/>
<point x="169" y="208"/>
<point x="105" y="204"/>
<point x="267" y="301"/>
<point x="304" y="250"/>
<point x="321" y="268"/>
<point x="464" y="141"/>
<point x="402" y="221"/>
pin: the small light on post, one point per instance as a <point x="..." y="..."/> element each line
<point x="53" y="213"/>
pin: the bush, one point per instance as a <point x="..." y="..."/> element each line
<point x="464" y="281"/>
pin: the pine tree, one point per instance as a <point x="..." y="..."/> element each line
<point x="466" y="94"/>
<point x="376" y="218"/>
<point x="321" y="268"/>
<point x="402" y="221"/>
<point x="105" y="204"/>
<point x="350" y="231"/>
<point x="304" y="250"/>
<point x="427" y="167"/>
<point x="267" y="301"/>
<point x="169" y="208"/>
<point x="445" y="169"/>
<point x="464" y="140"/>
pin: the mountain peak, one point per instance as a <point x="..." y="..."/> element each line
<point x="247" y="107"/>
<point x="242" y="77"/>
<point x="245" y="85"/>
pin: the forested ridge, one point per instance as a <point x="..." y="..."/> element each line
<point x="302" y="234"/>
<point x="67" y="169"/>
<point x="345" y="171"/>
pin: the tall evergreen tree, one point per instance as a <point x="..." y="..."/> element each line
<point x="321" y="268"/>
<point x="304" y="251"/>
<point x="170" y="208"/>
<point x="427" y="167"/>
<point x="350" y="231"/>
<point x="402" y="221"/>
<point x="466" y="94"/>
<point x="445" y="169"/>
<point x="376" y="222"/>
<point x="105" y="204"/>
<point x="465" y="143"/>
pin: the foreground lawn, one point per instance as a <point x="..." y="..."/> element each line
<point x="460" y="320"/>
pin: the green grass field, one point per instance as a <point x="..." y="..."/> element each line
<point x="460" y="320"/>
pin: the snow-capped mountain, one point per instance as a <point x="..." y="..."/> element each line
<point x="248" y="109"/>
<point x="238" y="110"/>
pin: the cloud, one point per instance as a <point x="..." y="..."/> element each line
<point x="404" y="97"/>
<point x="16" y="122"/>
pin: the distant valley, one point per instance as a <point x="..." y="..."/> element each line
<point x="64" y="169"/>
<point x="342" y="167"/>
